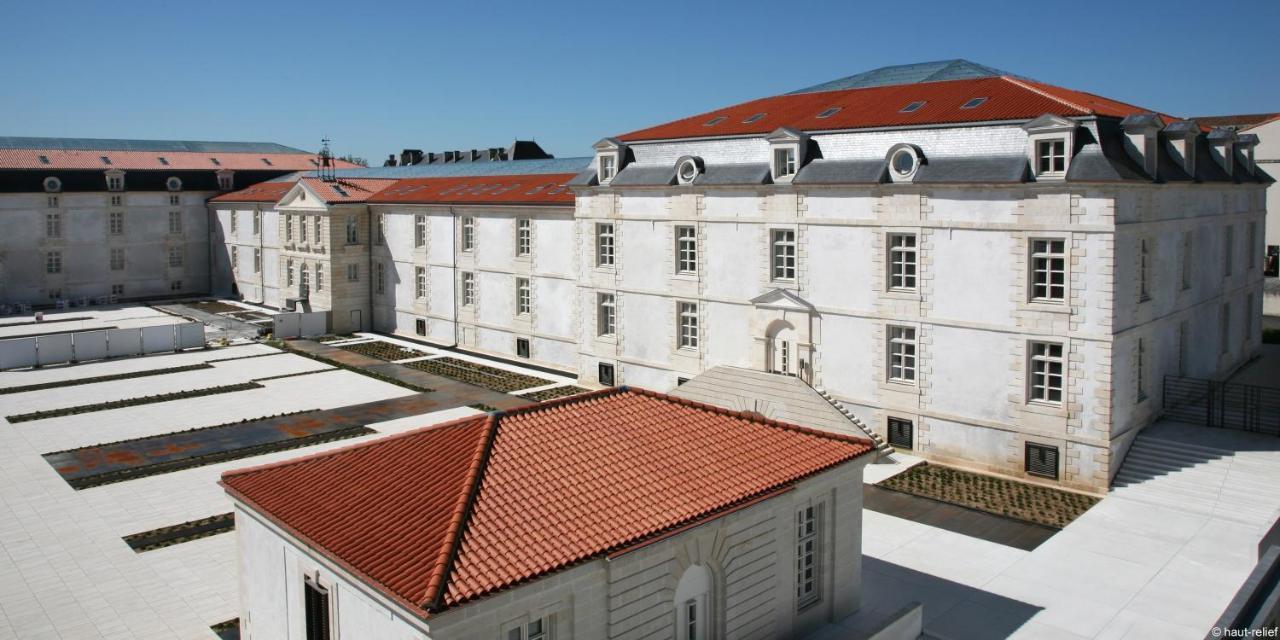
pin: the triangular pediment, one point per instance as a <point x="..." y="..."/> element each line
<point x="1049" y="122"/>
<point x="302" y="196"/>
<point x="784" y="134"/>
<point x="781" y="299"/>
<point x="607" y="144"/>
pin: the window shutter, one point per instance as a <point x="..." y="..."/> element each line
<point x="900" y="433"/>
<point x="1042" y="460"/>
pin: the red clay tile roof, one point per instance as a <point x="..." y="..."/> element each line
<point x="443" y="515"/>
<point x="156" y="160"/>
<point x="1006" y="99"/>
<point x="538" y="189"/>
<point x="1247" y="120"/>
<point x="262" y="192"/>
<point x="347" y="189"/>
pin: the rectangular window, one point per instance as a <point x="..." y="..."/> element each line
<point x="1251" y="240"/>
<point x="691" y="621"/>
<point x="175" y="285"/>
<point x="1048" y="270"/>
<point x="1228" y="249"/>
<point x="288" y="272"/>
<point x="468" y="289"/>
<point x="419" y="230"/>
<point x="524" y="236"/>
<point x="175" y="199"/>
<point x="1224" y="329"/>
<point x="522" y="347"/>
<point x="902" y="354"/>
<point x="420" y="282"/>
<point x="381" y="239"/>
<point x="257" y="260"/>
<point x="1144" y="270"/>
<point x="784" y="162"/>
<point x="606" y="314"/>
<point x="316" y="611"/>
<point x="115" y="223"/>
<point x="605" y="374"/>
<point x="304" y="280"/>
<point x="53" y="201"/>
<point x="902" y="261"/>
<point x="234" y="219"/>
<point x="319" y="276"/>
<point x="468" y="234"/>
<point x="524" y="297"/>
<point x="1140" y="373"/>
<point x="302" y="228"/>
<point x="353" y="273"/>
<point x="53" y="225"/>
<point x="288" y="226"/>
<point x="686" y="250"/>
<point x="1188" y="241"/>
<point x="175" y="256"/>
<point x="353" y="232"/>
<point x="604" y="244"/>
<point x="808" y="558"/>
<point x="608" y="167"/>
<point x="117" y="201"/>
<point x="380" y="277"/>
<point x="687" y="313"/>
<point x="1051" y="157"/>
<point x="1041" y="460"/>
<point x="900" y="433"/>
<point x="175" y="223"/>
<point x="53" y="262"/>
<point x="117" y="259"/>
<point x="235" y="258"/>
<point x="117" y="289"/>
<point x="1046" y="365"/>
<point x="420" y="326"/>
<point x="784" y="254"/>
<point x="115" y="183"/>
<point x="257" y="223"/>
<point x="319" y="227"/>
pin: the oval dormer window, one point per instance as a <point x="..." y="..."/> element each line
<point x="52" y="184"/>
<point x="174" y="184"/>
<point x="688" y="168"/>
<point x="904" y="162"/>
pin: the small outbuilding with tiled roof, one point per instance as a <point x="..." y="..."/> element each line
<point x="617" y="512"/>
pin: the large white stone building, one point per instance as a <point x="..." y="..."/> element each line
<point x="617" y="514"/>
<point x="90" y="220"/>
<point x="988" y="270"/>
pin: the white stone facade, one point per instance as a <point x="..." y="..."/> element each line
<point x="749" y="554"/>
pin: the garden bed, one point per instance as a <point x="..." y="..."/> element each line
<point x="215" y="307"/>
<point x="479" y="375"/>
<point x="131" y="402"/>
<point x="179" y="533"/>
<point x="284" y="346"/>
<point x="552" y="394"/>
<point x="382" y="350"/>
<point x="119" y="376"/>
<point x="1001" y="496"/>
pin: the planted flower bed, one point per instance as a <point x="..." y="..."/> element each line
<point x="552" y="394"/>
<point x="179" y="533"/>
<point x="382" y="350"/>
<point x="480" y="375"/>
<point x="119" y="376"/>
<point x="1031" y="503"/>
<point x="131" y="402"/>
<point x="342" y="365"/>
<point x="216" y="307"/>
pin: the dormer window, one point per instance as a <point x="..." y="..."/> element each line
<point x="115" y="181"/>
<point x="610" y="154"/>
<point x="226" y="180"/>
<point x="1051" y="157"/>
<point x="784" y="162"/>
<point x="174" y="184"/>
<point x="52" y="184"/>
<point x="904" y="160"/>
<point x="608" y="167"/>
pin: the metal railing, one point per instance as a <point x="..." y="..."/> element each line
<point x="1222" y="405"/>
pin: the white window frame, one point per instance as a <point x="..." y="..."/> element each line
<point x="808" y="546"/>
<point x="783" y="256"/>
<point x="607" y="167"/>
<point x="468" y="289"/>
<point x="235" y="258"/>
<point x="1046" y="261"/>
<point x="302" y="229"/>
<point x="904" y="261"/>
<point x="288" y="272"/>
<point x="288" y="226"/>
<point x="380" y="277"/>
<point x="117" y="259"/>
<point x="319" y="229"/>
<point x="257" y="260"/>
<point x="53" y="225"/>
<point x="420" y="283"/>
<point x="353" y="272"/>
<point x="686" y="249"/>
<point x="606" y="245"/>
<point x="419" y="230"/>
<point x="1053" y="156"/>
<point x="468" y="233"/>
<point x="115" y="223"/>
<point x="902" y="354"/>
<point x="524" y="296"/>
<point x="606" y="315"/>
<point x="524" y="237"/>
<point x="785" y="162"/>
<point x="314" y="583"/>
<point x="175" y="223"/>
<point x="319" y="276"/>
<point x="1041" y="373"/>
<point x="353" y="230"/>
<point x="257" y="223"/>
<point x="53" y="262"/>
<point x="177" y="257"/>
<point x="687" y="328"/>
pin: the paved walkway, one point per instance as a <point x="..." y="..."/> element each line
<point x="1159" y="557"/>
<point x="216" y="326"/>
<point x="1262" y="372"/>
<point x="957" y="519"/>
<point x="451" y="393"/>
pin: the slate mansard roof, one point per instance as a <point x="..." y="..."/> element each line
<point x="440" y="516"/>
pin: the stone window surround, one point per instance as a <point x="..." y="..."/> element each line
<point x="1049" y="128"/>
<point x="771" y="242"/>
<point x="1046" y="304"/>
<point x="1046" y="407"/>
<point x="312" y="573"/>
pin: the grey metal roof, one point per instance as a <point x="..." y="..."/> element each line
<point x="775" y="396"/>
<point x="585" y="179"/>
<point x="108" y="144"/>
<point x="842" y="172"/>
<point x="910" y="74"/>
<point x="729" y="174"/>
<point x="982" y="169"/>
<point x="506" y="168"/>
<point x="638" y="175"/>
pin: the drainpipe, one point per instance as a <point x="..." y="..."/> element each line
<point x="370" y="241"/>
<point x="454" y="275"/>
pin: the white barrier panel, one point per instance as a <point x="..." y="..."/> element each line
<point x="190" y="335"/>
<point x="17" y="353"/>
<point x="157" y="339"/>
<point x="54" y="349"/>
<point x="286" y="325"/>
<point x="315" y="323"/>
<point x="124" y="342"/>
<point x="90" y="345"/>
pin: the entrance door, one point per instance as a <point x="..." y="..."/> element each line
<point x="782" y="349"/>
<point x="356" y="324"/>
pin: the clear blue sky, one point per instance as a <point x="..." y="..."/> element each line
<point x="378" y="77"/>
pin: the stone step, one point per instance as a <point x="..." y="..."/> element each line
<point x="1181" y="447"/>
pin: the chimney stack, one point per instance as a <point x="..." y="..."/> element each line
<point x="391" y="160"/>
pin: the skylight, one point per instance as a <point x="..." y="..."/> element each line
<point x="215" y="162"/>
<point x="714" y="121"/>
<point x="162" y="160"/>
<point x="106" y="160"/>
<point x="267" y="162"/>
<point x="914" y="106"/>
<point x="44" y="160"/>
<point x="340" y="191"/>
<point x="753" y="118"/>
<point x="973" y="102"/>
<point x="829" y="112"/>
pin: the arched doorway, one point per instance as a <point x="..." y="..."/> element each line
<point x="694" y="619"/>
<point x="780" y="346"/>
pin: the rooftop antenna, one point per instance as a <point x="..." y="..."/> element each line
<point x="328" y="172"/>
